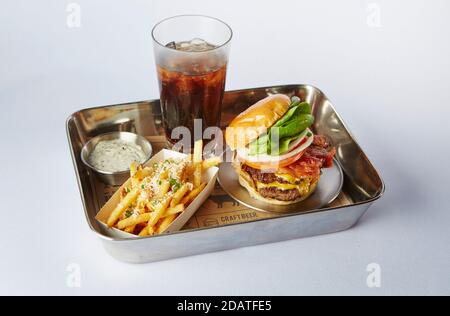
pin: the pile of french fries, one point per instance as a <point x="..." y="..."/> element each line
<point x="158" y="194"/>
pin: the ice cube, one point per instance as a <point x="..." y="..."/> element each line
<point x="194" y="45"/>
<point x="198" y="42"/>
<point x="172" y="45"/>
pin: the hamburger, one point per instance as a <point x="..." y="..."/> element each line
<point x="276" y="155"/>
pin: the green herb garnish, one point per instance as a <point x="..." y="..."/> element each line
<point x="176" y="187"/>
<point x="128" y="213"/>
<point x="174" y="184"/>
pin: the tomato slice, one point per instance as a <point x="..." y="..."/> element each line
<point x="276" y="165"/>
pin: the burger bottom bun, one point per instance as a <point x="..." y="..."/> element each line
<point x="246" y="182"/>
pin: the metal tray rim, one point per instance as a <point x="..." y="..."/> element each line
<point x="107" y="238"/>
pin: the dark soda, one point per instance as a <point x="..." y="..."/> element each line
<point x="192" y="89"/>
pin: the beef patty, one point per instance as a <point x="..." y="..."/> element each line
<point x="263" y="176"/>
<point x="272" y="192"/>
<point x="282" y="195"/>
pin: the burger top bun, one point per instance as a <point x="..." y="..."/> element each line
<point x="256" y="120"/>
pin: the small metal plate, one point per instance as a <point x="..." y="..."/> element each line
<point x="328" y="188"/>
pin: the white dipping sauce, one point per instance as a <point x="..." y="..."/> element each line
<point x="115" y="155"/>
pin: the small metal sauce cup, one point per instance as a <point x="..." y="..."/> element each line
<point x="114" y="178"/>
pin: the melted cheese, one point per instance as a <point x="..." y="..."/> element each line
<point x="287" y="177"/>
<point x="282" y="186"/>
<point x="302" y="187"/>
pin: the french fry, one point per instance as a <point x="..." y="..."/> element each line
<point x="150" y="206"/>
<point x="211" y="162"/>
<point x="163" y="189"/>
<point x="138" y="174"/>
<point x="165" y="223"/>
<point x="173" y="210"/>
<point x="144" y="232"/>
<point x="190" y="168"/>
<point x="123" y="193"/>
<point x="147" y="231"/>
<point x="122" y="206"/>
<point x="133" y="171"/>
<point x="130" y="229"/>
<point x="207" y="163"/>
<point x="193" y="194"/>
<point x="141" y="173"/>
<point x="179" y="194"/>
<point x="134" y="220"/>
<point x="197" y="160"/>
<point x="159" y="211"/>
<point x="164" y="174"/>
<point x="198" y="150"/>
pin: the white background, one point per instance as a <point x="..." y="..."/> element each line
<point x="390" y="83"/>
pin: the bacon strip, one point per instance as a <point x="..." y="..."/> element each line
<point x="319" y="155"/>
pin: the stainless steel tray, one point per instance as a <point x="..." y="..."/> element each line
<point x="362" y="183"/>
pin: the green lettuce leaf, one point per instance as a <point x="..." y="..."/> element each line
<point x="284" y="131"/>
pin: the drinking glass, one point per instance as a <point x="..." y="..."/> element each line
<point x="191" y="53"/>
